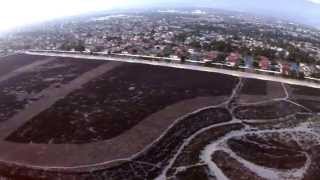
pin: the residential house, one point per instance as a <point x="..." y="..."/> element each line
<point x="211" y="56"/>
<point x="286" y="69"/>
<point x="248" y="61"/>
<point x="264" y="63"/>
<point x="306" y="70"/>
<point x="195" y="56"/>
<point x="233" y="59"/>
<point x="295" y="68"/>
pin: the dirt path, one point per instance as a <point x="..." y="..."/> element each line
<point x="103" y="154"/>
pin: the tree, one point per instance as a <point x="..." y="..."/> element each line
<point x="98" y="48"/>
<point x="222" y="46"/>
<point x="195" y="44"/>
<point x="65" y="46"/>
<point x="80" y="48"/>
<point x="181" y="37"/>
<point x="167" y="51"/>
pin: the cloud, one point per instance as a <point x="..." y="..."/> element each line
<point x="314" y="1"/>
<point x="16" y="13"/>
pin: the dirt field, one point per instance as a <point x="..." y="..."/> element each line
<point x="11" y="63"/>
<point x="19" y="91"/>
<point x="254" y="87"/>
<point x="117" y="101"/>
<point x="76" y="119"/>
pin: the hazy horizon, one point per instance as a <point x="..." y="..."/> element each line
<point x="35" y="11"/>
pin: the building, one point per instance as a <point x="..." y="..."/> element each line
<point x="210" y="56"/>
<point x="295" y="68"/>
<point x="286" y="69"/>
<point x="195" y="56"/>
<point x="264" y="63"/>
<point x="306" y="70"/>
<point x="233" y="59"/>
<point x="248" y="61"/>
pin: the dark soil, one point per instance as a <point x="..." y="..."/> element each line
<point x="273" y="110"/>
<point x="193" y="173"/>
<point x="190" y="154"/>
<point x="11" y="63"/>
<point x="269" y="152"/>
<point x="173" y="139"/>
<point x="159" y="154"/>
<point x="313" y="173"/>
<point x="21" y="90"/>
<point x="254" y="87"/>
<point x="302" y="90"/>
<point x="117" y="101"/>
<point x="233" y="169"/>
<point x="310" y="104"/>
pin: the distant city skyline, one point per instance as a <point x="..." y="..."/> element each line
<point x="15" y="13"/>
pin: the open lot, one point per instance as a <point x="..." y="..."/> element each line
<point x="76" y="119"/>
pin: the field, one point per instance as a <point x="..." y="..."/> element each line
<point x="65" y="118"/>
<point x="117" y="101"/>
<point x="19" y="91"/>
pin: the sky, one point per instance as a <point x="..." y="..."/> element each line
<point x="15" y="13"/>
